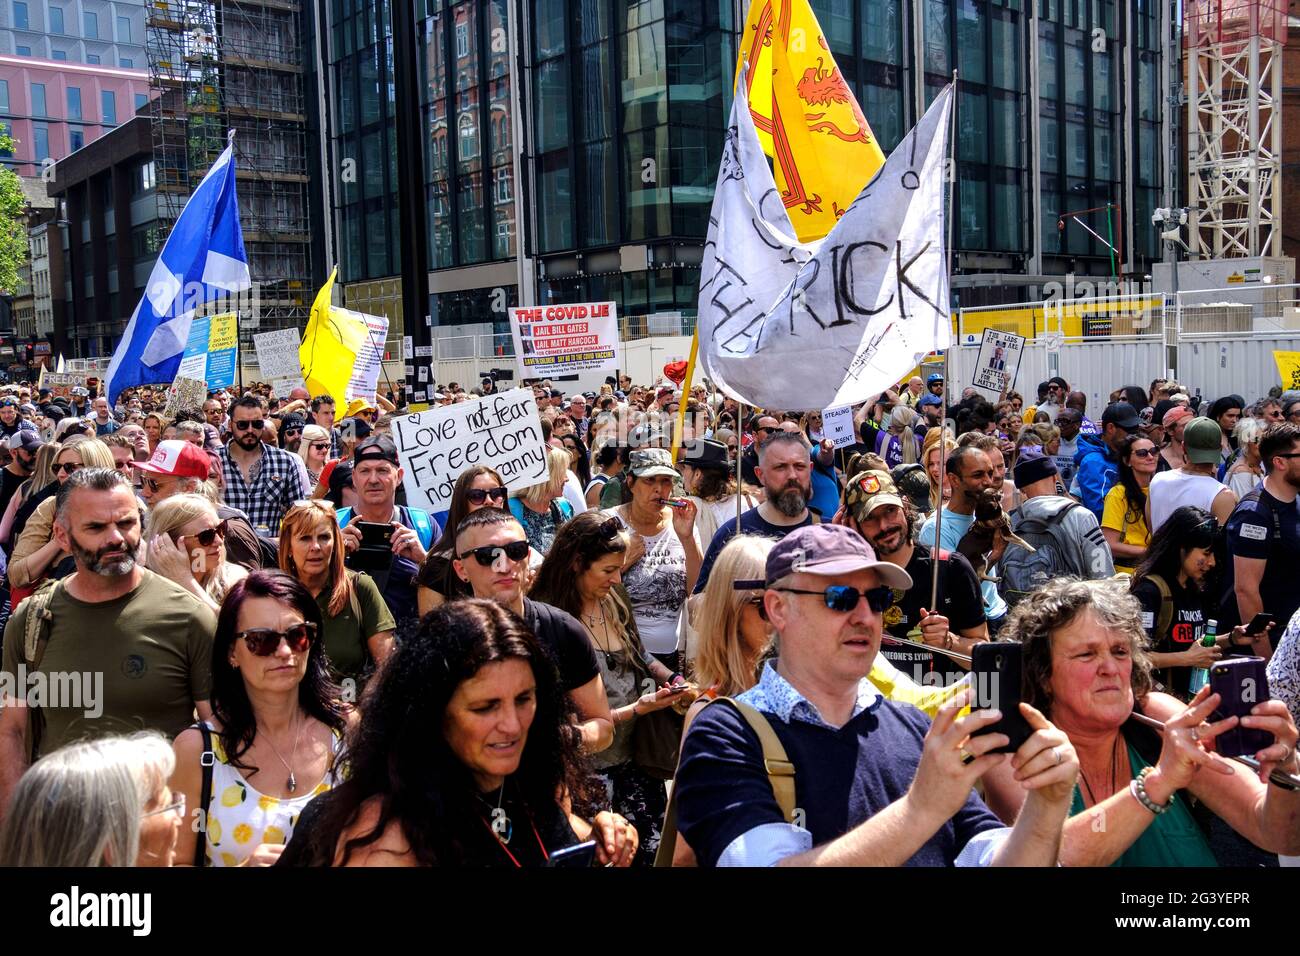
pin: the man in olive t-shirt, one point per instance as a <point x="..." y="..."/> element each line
<point x="128" y="650"/>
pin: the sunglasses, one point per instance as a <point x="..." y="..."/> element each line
<point x="488" y="554"/>
<point x="208" y="535"/>
<point x="476" y="496"/>
<point x="320" y="446"/>
<point x="256" y="424"/>
<point x="1145" y="452"/>
<point x="842" y="598"/>
<point x="66" y="466"/>
<point x="610" y="527"/>
<point x="291" y="432"/>
<point x="263" y="641"/>
<point x="177" y="806"/>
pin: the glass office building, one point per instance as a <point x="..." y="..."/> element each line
<point x="570" y="153"/>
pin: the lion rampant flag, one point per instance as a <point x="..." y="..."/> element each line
<point x="807" y="118"/>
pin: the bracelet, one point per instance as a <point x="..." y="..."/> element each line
<point x="1139" y="790"/>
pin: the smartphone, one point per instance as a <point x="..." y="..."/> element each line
<point x="376" y="551"/>
<point x="996" y="682"/>
<point x="579" y="855"/>
<point x="1260" y="621"/>
<point x="1240" y="683"/>
<point x="375" y="535"/>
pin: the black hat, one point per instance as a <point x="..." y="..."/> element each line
<point x="1033" y="466"/>
<point x="378" y="448"/>
<point x="705" y="453"/>
<point x="1122" y="414"/>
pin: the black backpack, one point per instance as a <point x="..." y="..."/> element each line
<point x="1023" y="572"/>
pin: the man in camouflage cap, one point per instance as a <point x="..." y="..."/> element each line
<point x="875" y="508"/>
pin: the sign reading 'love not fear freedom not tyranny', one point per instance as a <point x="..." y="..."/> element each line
<point x="500" y="431"/>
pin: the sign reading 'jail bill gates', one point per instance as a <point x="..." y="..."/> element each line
<point x="555" y="340"/>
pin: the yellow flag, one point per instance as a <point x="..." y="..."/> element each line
<point x="330" y="347"/>
<point x="898" y="687"/>
<point x="807" y="118"/>
<point x="1288" y="367"/>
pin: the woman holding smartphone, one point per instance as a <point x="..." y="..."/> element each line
<point x="1086" y="669"/>
<point x="437" y="583"/>
<point x="463" y="757"/>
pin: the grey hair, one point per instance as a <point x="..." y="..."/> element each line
<point x="1249" y="430"/>
<point x="1036" y="619"/>
<point x="90" y="479"/>
<point x="83" y="804"/>
<point x="781" y="438"/>
<point x="190" y="428"/>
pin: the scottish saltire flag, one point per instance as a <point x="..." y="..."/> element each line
<point x="203" y="259"/>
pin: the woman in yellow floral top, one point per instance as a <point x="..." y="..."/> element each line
<point x="276" y="729"/>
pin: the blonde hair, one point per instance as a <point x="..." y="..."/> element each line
<point x="171" y="514"/>
<point x="557" y="467"/>
<point x="83" y="804"/>
<point x="720" y="659"/>
<point x="93" y="452"/>
<point x="311" y="433"/>
<point x="932" y="439"/>
<point x="905" y="416"/>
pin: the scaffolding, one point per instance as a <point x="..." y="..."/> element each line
<point x="1234" y="104"/>
<point x="220" y="65"/>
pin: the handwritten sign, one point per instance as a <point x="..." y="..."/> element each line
<point x="365" y="372"/>
<point x="998" y="363"/>
<point x="185" y="393"/>
<point x="62" y="383"/>
<point x="554" y="340"/>
<point x="277" y="355"/>
<point x="212" y="350"/>
<point x="502" y="431"/>
<point x="837" y="425"/>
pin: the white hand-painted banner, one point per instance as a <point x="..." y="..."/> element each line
<point x="805" y="326"/>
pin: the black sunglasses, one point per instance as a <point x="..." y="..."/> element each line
<point x="208" y="535"/>
<point x="610" y="527"/>
<point x="264" y="641"/>
<point x="257" y="424"/>
<point x="476" y="496"/>
<point x="488" y="554"/>
<point x="66" y="466"/>
<point x="842" y="598"/>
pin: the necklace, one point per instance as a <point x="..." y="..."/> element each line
<point x="502" y="831"/>
<point x="1114" y="759"/>
<point x="292" y="783"/>
<point x="608" y="647"/>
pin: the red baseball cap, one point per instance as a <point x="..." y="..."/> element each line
<point x="177" y="459"/>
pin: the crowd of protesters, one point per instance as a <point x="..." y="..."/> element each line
<point x="266" y="656"/>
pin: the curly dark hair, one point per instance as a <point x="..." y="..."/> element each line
<point x="399" y="753"/>
<point x="1137" y="498"/>
<point x="319" y="696"/>
<point x="578" y="544"/>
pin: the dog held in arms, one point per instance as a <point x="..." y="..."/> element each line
<point x="991" y="523"/>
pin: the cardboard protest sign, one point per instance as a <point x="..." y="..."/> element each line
<point x="837" y="425"/>
<point x="277" y="359"/>
<point x="502" y="431"/>
<point x="185" y="393"/>
<point x="998" y="363"/>
<point x="370" y="356"/>
<point x="62" y="383"/>
<point x="212" y="350"/>
<point x="554" y="340"/>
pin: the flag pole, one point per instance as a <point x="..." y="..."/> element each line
<point x="740" y="453"/>
<point x="943" y="391"/>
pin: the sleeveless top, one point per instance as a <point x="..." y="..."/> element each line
<point x="1170" y="490"/>
<point x="1172" y="839"/>
<point x="240" y="817"/>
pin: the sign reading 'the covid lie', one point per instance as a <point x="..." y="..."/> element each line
<point x="502" y="431"/>
<point x="554" y="340"/>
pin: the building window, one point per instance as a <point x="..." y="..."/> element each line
<point x="74" y="103"/>
<point x="38" y="100"/>
<point x="504" y="176"/>
<point x="92" y="57"/>
<point x="56" y="20"/>
<point x="462" y="40"/>
<point x="126" y="63"/>
<point x="58" y="55"/>
<point x="76" y="139"/>
<point x="20" y="15"/>
<point x="141" y="100"/>
<point x="108" y="106"/>
<point x="4" y="96"/>
<point x="148" y="176"/>
<point x="90" y="25"/>
<point x="41" y="136"/>
<point x="123" y="29"/>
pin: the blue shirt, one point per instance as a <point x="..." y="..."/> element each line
<point x="955" y="527"/>
<point x="843" y="776"/>
<point x="751" y="522"/>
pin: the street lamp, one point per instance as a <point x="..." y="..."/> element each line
<point x="1170" y="221"/>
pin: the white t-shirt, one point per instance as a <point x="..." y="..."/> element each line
<point x="573" y="494"/>
<point x="1171" y="490"/>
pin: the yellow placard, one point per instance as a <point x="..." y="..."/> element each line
<point x="1288" y="367"/>
<point x="223" y="332"/>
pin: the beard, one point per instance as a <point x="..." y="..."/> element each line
<point x="791" y="500"/>
<point x="248" y="439"/>
<point x="119" y="564"/>
<point x="896" y="542"/>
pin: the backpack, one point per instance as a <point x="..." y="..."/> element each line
<point x="780" y="772"/>
<point x="36" y="637"/>
<point x="1166" y="616"/>
<point x="1023" y="572"/>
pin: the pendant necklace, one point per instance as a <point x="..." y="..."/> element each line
<point x="292" y="783"/>
<point x="504" y="833"/>
<point x="608" y="647"/>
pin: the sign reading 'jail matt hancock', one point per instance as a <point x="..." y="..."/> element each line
<point x="836" y="321"/>
<point x="553" y="340"/>
<point x="501" y="431"/>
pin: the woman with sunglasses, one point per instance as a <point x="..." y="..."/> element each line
<point x="36" y="554"/>
<point x="1123" y="518"/>
<point x="357" y="624"/>
<point x="581" y="576"/>
<point x="187" y="544"/>
<point x="463" y="757"/>
<point x="314" y="452"/>
<point x="437" y="583"/>
<point x="276" y="730"/>
<point x="579" y="462"/>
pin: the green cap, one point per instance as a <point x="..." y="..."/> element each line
<point x="1204" y="441"/>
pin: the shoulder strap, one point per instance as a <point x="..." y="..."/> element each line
<point x="780" y="774"/>
<point x="36" y="633"/>
<point x="420" y="521"/>
<point x="354" y="602"/>
<point x="1166" y="616"/>
<point x="344" y="515"/>
<point x="206" y="761"/>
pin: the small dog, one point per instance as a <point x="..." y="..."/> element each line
<point x="990" y="522"/>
